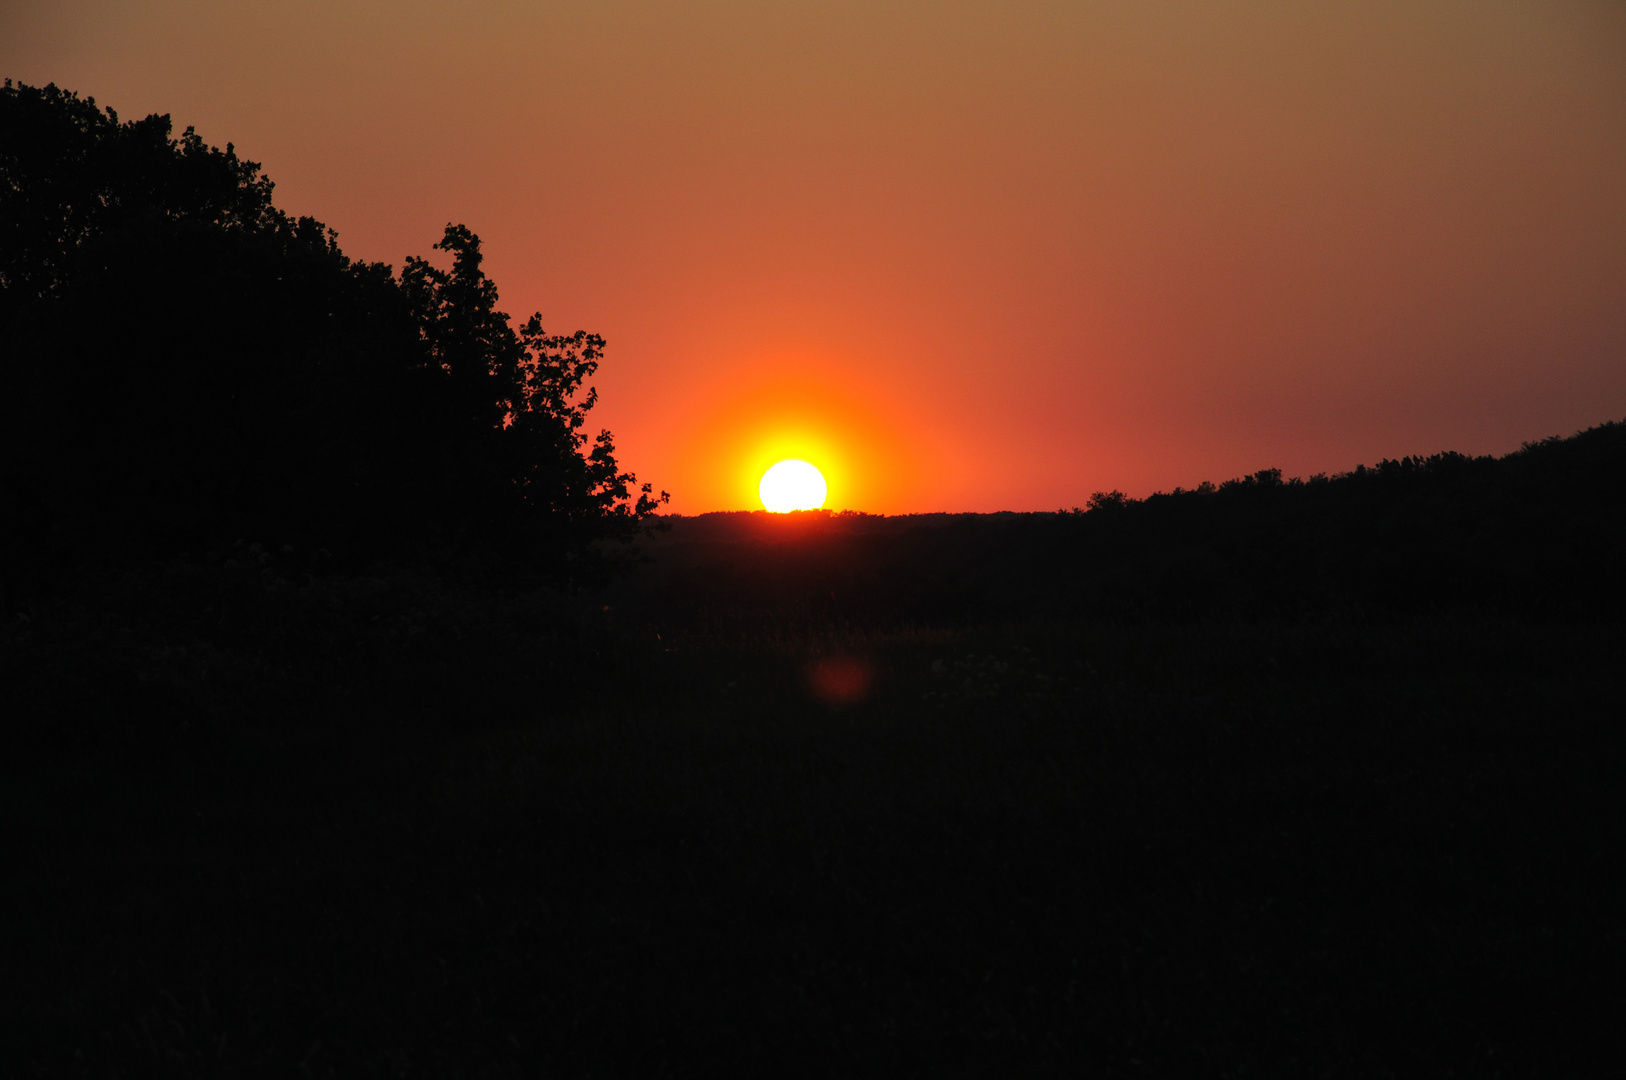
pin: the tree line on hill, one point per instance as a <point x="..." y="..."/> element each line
<point x="1536" y="533"/>
<point x="184" y="365"/>
<point x="1539" y="533"/>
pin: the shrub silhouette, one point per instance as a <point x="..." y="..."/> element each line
<point x="183" y="365"/>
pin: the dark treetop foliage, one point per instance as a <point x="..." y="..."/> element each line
<point x="183" y="365"/>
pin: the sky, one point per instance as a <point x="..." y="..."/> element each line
<point x="961" y="256"/>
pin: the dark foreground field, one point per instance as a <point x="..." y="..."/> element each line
<point x="259" y="823"/>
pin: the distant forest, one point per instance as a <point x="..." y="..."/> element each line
<point x="184" y="367"/>
<point x="1535" y="534"/>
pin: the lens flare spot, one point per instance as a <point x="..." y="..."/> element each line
<point x="840" y="680"/>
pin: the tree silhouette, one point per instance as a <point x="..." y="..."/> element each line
<point x="183" y="365"/>
<point x="520" y="398"/>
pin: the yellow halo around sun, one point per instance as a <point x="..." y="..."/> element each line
<point x="792" y="485"/>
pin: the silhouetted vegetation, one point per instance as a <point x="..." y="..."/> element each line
<point x="311" y="767"/>
<point x="182" y="365"/>
<point x="1535" y="534"/>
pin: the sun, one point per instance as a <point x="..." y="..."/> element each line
<point x="792" y="485"/>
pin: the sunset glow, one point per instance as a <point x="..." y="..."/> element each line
<point x="1024" y="537"/>
<point x="1005" y="254"/>
<point x="792" y="485"/>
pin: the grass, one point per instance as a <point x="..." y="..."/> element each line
<point x="533" y="838"/>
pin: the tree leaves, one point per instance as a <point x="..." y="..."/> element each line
<point x="182" y="365"/>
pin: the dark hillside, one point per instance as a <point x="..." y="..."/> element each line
<point x="1277" y="778"/>
<point x="1540" y="533"/>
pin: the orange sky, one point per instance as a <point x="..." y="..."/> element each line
<point x="965" y="256"/>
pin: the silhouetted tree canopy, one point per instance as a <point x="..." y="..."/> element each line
<point x="183" y="365"/>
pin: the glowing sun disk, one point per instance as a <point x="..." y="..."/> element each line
<point x="792" y="485"/>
